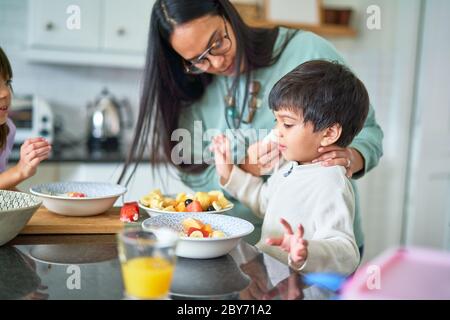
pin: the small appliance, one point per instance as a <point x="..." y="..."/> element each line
<point x="108" y="118"/>
<point x="33" y="117"/>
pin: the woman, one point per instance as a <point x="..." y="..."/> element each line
<point x="206" y="69"/>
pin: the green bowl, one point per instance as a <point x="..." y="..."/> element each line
<point x="16" y="209"/>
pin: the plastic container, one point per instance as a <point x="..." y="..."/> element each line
<point x="402" y="273"/>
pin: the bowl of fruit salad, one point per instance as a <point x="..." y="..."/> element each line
<point x="78" y="198"/>
<point x="212" y="202"/>
<point x="202" y="235"/>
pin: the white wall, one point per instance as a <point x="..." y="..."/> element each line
<point x="428" y="201"/>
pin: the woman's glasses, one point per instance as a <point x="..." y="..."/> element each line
<point x="219" y="47"/>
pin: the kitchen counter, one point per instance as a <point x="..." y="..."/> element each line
<point x="47" y="267"/>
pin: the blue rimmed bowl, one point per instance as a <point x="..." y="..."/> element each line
<point x="203" y="248"/>
<point x="16" y="209"/>
<point x="100" y="196"/>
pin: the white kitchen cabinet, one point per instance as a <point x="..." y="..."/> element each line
<point x="49" y="29"/>
<point x="126" y="26"/>
<point x="111" y="33"/>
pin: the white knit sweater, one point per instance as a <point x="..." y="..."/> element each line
<point x="320" y="198"/>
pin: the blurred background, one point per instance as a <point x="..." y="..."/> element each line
<point x="399" y="48"/>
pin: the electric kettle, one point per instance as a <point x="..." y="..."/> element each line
<point x="108" y="118"/>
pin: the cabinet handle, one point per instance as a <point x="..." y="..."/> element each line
<point x="49" y="26"/>
<point x="121" y="32"/>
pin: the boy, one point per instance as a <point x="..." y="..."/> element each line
<point x="317" y="104"/>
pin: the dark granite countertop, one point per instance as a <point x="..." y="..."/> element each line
<point x="40" y="267"/>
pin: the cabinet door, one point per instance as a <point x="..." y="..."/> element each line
<point x="126" y="25"/>
<point x="51" y="27"/>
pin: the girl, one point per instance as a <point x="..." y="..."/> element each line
<point x="32" y="152"/>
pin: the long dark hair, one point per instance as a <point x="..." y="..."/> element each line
<point x="167" y="89"/>
<point x="6" y="73"/>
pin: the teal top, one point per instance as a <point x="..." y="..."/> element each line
<point x="210" y="112"/>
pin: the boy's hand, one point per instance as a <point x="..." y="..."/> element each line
<point x="222" y="157"/>
<point x="32" y="152"/>
<point x="262" y="157"/>
<point x="295" y="245"/>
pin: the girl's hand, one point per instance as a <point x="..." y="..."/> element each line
<point x="262" y="157"/>
<point x="32" y="152"/>
<point x="222" y="157"/>
<point x="295" y="245"/>
<point x="349" y="158"/>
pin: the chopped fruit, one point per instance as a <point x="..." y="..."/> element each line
<point x="193" y="228"/>
<point x="180" y="207"/>
<point x="194" y="206"/>
<point x="214" y="195"/>
<point x="196" y="234"/>
<point x="169" y="208"/>
<point x="181" y="201"/>
<point x="217" y="234"/>
<point x="191" y="223"/>
<point x="76" y="194"/>
<point x="129" y="212"/>
<point x="169" y="202"/>
<point x="204" y="199"/>
<point x="181" y="197"/>
<point x="216" y="206"/>
<point x="223" y="201"/>
<point x="207" y="229"/>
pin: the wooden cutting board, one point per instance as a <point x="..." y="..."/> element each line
<point x="46" y="222"/>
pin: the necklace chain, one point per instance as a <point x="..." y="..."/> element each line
<point x="231" y="109"/>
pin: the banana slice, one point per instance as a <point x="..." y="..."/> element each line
<point x="217" y="234"/>
<point x="216" y="206"/>
<point x="196" y="234"/>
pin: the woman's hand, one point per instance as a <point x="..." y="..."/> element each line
<point x="222" y="157"/>
<point x="349" y="158"/>
<point x="262" y="157"/>
<point x="32" y="152"/>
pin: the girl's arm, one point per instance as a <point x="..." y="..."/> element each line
<point x="32" y="153"/>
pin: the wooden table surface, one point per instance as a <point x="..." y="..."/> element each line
<point x="46" y="222"/>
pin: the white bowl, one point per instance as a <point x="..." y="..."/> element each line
<point x="16" y="209"/>
<point x="154" y="212"/>
<point x="203" y="248"/>
<point x="100" y="196"/>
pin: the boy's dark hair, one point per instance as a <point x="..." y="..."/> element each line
<point x="325" y="93"/>
<point x="6" y="73"/>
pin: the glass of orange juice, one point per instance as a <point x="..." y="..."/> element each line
<point x="147" y="261"/>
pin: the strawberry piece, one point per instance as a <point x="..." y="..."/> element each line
<point x="192" y="229"/>
<point x="76" y="195"/>
<point x="194" y="206"/>
<point x="129" y="212"/>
